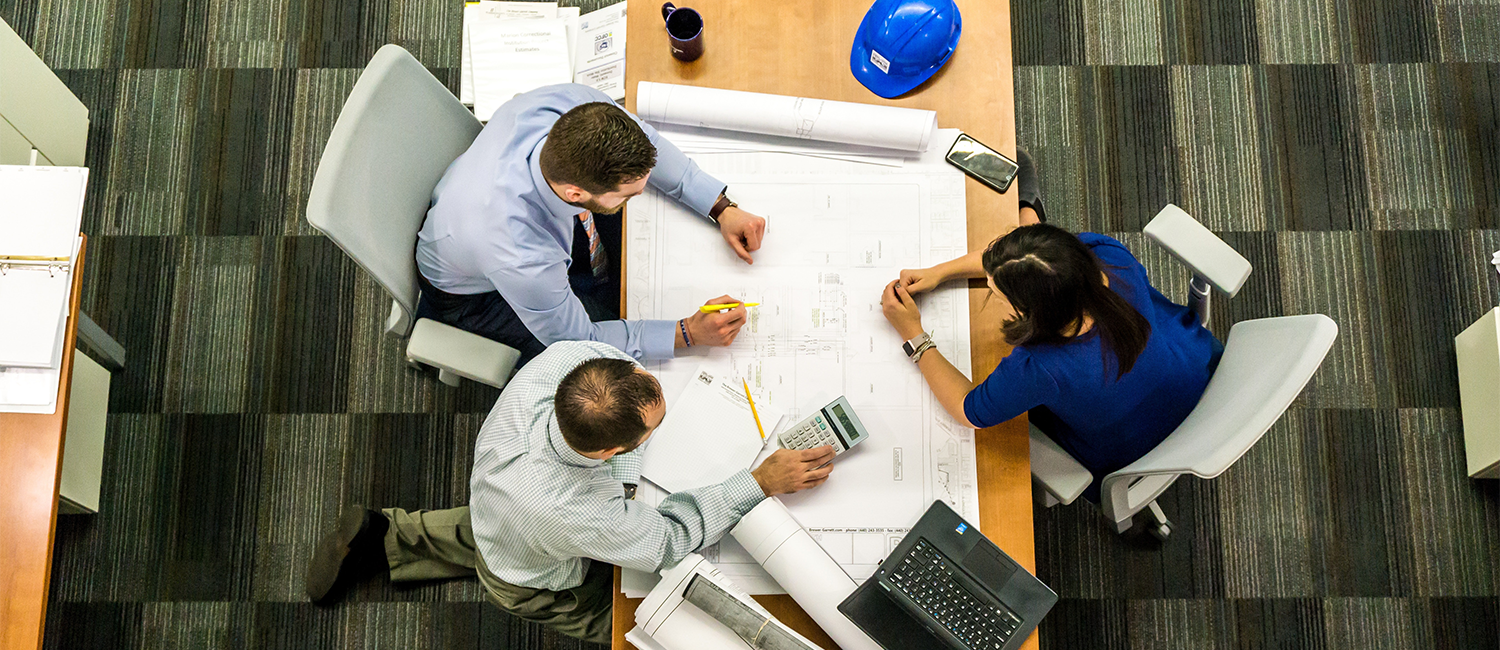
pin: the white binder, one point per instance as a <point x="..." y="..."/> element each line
<point x="41" y="209"/>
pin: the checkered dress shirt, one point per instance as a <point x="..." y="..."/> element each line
<point x="541" y="511"/>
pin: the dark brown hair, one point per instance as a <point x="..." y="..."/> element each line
<point x="1053" y="280"/>
<point x="598" y="147"/>
<point x="602" y="404"/>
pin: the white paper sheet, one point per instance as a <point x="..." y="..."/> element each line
<point x="514" y="56"/>
<point x="709" y="433"/>
<point x="599" y="61"/>
<point x="491" y="11"/>
<point x="838" y="232"/>
<point x="638" y="638"/>
<point x="869" y="125"/>
<point x="570" y="16"/>
<point x="40" y="210"/>
<point x="33" y="307"/>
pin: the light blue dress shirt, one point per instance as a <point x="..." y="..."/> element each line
<point x="495" y="224"/>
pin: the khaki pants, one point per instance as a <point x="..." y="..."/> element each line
<point x="438" y="544"/>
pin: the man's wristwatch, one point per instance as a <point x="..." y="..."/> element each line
<point x="720" y="206"/>
<point x="629" y="491"/>
<point x="915" y="347"/>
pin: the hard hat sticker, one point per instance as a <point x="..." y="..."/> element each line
<point x="880" y="62"/>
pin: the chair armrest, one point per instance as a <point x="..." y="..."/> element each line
<point x="465" y="354"/>
<point x="1056" y="471"/>
<point x="1199" y="249"/>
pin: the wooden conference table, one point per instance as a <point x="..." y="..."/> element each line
<point x="31" y="448"/>
<point x="802" y="49"/>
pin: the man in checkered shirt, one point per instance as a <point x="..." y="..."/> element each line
<point x="554" y="468"/>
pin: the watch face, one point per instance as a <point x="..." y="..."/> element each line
<point x="906" y="347"/>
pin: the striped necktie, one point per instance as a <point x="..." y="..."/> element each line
<point x="598" y="257"/>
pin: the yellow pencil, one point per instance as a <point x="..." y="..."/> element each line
<point x="709" y="309"/>
<point x="752" y="409"/>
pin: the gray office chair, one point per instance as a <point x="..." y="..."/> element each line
<point x="1266" y="363"/>
<point x="397" y="134"/>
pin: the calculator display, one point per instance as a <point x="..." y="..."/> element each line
<point x="851" y="432"/>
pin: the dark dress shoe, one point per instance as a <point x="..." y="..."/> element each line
<point x="354" y="551"/>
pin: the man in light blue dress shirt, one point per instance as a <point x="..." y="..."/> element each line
<point x="521" y="244"/>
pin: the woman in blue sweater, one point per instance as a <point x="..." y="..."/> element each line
<point x="1103" y="362"/>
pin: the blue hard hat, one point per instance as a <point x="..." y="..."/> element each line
<point x="901" y="43"/>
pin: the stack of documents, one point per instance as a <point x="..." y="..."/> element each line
<point x="39" y="221"/>
<point x="710" y="432"/>
<point x="512" y="47"/>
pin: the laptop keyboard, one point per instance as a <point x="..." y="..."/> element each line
<point x="926" y="577"/>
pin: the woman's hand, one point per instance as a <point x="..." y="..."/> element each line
<point x="920" y="280"/>
<point x="899" y="308"/>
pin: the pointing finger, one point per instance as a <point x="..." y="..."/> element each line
<point x="739" y="249"/>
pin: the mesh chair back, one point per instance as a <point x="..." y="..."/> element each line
<point x="397" y="134"/>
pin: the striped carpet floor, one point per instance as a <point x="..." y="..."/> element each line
<point x="1351" y="150"/>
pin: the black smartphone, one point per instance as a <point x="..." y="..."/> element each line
<point x="983" y="163"/>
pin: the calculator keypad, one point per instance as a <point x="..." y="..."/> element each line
<point x="810" y="433"/>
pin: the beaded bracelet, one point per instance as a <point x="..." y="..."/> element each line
<point x="682" y="325"/>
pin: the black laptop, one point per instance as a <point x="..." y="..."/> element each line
<point x="948" y="586"/>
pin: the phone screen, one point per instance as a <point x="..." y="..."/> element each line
<point x="983" y="163"/>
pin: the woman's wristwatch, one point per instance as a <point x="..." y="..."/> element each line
<point x="917" y="346"/>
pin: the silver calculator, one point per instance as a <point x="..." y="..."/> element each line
<point x="834" y="424"/>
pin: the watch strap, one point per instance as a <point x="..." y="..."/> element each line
<point x="922" y="349"/>
<point x="911" y="345"/>
<point x="720" y="206"/>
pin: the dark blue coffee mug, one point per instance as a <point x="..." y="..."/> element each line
<point x="684" y="31"/>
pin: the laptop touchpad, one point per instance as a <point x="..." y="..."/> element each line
<point x="989" y="567"/>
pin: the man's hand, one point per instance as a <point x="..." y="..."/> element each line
<point x="901" y="310"/>
<point x="743" y="231"/>
<point x="717" y="328"/>
<point x="788" y="470"/>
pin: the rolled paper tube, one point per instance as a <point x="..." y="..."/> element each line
<point x="802" y="118"/>
<point x="803" y="569"/>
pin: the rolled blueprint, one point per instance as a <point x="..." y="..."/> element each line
<point x="760" y="630"/>
<point x="885" y="127"/>
<point x="803" y="568"/>
<point x="694" y="607"/>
